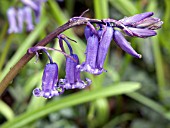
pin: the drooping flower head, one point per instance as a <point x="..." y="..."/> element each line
<point x="91" y="51"/>
<point x="36" y="5"/>
<point x="72" y="79"/>
<point x="98" y="42"/>
<point x="17" y="16"/>
<point x="104" y="46"/>
<point x="140" y="25"/>
<point x="49" y="80"/>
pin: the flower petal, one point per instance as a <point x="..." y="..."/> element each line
<point x="11" y="14"/>
<point x="146" y="22"/>
<point x="28" y="18"/>
<point x="72" y="79"/>
<point x="20" y="17"/>
<point x="142" y="33"/>
<point x="49" y="81"/>
<point x="30" y="3"/>
<point x="136" y="18"/>
<point x="91" y="55"/>
<point x="124" y="44"/>
<point x="104" y="46"/>
<point x="70" y="69"/>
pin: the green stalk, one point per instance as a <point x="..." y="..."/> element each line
<point x="5" y="51"/>
<point x="149" y="103"/>
<point x="159" y="66"/>
<point x="101" y="9"/>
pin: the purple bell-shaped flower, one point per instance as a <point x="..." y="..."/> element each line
<point x="104" y="46"/>
<point x="91" y="51"/>
<point x="11" y="14"/>
<point x="49" y="81"/>
<point x="28" y="18"/>
<point x="20" y="17"/>
<point x="72" y="79"/>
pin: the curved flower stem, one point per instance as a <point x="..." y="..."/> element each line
<point x="75" y="21"/>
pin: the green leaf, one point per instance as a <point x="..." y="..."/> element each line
<point x="149" y="103"/>
<point x="6" y="111"/>
<point x="101" y="9"/>
<point x="72" y="100"/>
<point x="126" y="7"/>
<point x="5" y="51"/>
<point x="119" y="119"/>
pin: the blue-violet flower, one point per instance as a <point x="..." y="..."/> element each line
<point x="20" y="18"/>
<point x="72" y="79"/>
<point x="28" y="18"/>
<point x="104" y="46"/>
<point x="11" y="14"/>
<point x="49" y="81"/>
<point x="141" y="25"/>
<point x="124" y="44"/>
<point x="91" y="52"/>
<point x="129" y="21"/>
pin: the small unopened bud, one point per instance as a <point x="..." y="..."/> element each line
<point x="139" y="32"/>
<point x="129" y="21"/>
<point x="150" y="23"/>
<point x="124" y="44"/>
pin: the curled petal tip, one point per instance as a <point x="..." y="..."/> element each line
<point x="89" y="69"/>
<point x="46" y="94"/>
<point x="88" y="81"/>
<point x="139" y="56"/>
<point x="37" y="92"/>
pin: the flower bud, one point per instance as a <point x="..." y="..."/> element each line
<point x="124" y="44"/>
<point x="129" y="21"/>
<point x="150" y="23"/>
<point x="139" y="32"/>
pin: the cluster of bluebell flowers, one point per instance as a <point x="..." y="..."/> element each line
<point x="17" y="16"/>
<point x="98" y="42"/>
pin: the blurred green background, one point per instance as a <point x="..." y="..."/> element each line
<point x="134" y="93"/>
